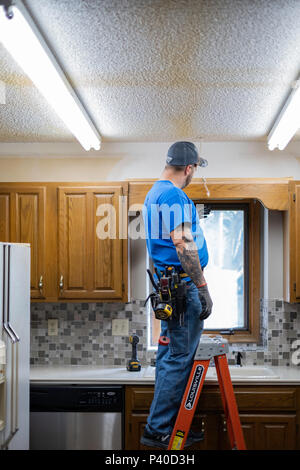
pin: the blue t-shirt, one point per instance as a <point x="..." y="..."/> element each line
<point x="165" y="208"/>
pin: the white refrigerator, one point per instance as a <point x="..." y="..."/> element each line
<point x="14" y="345"/>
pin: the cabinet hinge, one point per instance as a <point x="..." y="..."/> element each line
<point x="294" y="197"/>
<point x="123" y="286"/>
<point x="294" y="287"/>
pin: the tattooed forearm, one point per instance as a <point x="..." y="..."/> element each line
<point x="188" y="254"/>
<point x="190" y="263"/>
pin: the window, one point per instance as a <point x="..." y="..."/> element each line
<point x="226" y="229"/>
<point x="232" y="232"/>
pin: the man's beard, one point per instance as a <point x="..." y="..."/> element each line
<point x="187" y="181"/>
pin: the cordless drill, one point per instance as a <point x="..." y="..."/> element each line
<point x="134" y="364"/>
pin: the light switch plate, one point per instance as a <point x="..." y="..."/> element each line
<point x="120" y="327"/>
<point x="52" y="327"/>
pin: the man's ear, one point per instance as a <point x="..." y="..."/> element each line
<point x="187" y="169"/>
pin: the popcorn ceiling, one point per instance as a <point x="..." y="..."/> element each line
<point x="160" y="70"/>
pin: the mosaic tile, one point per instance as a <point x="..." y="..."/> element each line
<point x="85" y="334"/>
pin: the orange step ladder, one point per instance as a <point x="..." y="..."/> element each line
<point x="209" y="347"/>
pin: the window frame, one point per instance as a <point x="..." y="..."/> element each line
<point x="251" y="333"/>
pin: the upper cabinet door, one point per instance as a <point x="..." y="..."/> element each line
<point x="294" y="240"/>
<point x="30" y="228"/>
<point x="73" y="268"/>
<point x="22" y="220"/>
<point x="90" y="249"/>
<point x="5" y="215"/>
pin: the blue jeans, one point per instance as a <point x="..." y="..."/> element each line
<point x="174" y="363"/>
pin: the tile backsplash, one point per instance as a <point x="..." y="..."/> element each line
<point x="85" y="334"/>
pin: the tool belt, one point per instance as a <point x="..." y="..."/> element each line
<point x="168" y="299"/>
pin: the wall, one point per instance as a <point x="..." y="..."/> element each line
<point x="116" y="161"/>
<point x="85" y="329"/>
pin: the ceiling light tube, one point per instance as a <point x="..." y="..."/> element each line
<point x="20" y="36"/>
<point x="288" y="121"/>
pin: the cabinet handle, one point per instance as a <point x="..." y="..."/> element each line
<point x="61" y="282"/>
<point x="202" y="425"/>
<point x="41" y="284"/>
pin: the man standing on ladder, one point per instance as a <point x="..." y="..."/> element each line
<point x="175" y="238"/>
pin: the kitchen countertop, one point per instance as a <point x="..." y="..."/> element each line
<point x="119" y="375"/>
<point x="87" y="374"/>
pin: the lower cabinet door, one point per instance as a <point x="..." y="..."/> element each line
<point x="134" y="431"/>
<point x="269" y="432"/>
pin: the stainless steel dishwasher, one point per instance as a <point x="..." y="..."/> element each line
<point x="76" y="417"/>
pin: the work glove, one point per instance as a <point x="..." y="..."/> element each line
<point x="206" y="302"/>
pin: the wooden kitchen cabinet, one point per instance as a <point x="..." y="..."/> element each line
<point x="23" y="220"/>
<point x="293" y="248"/>
<point x="5" y="215"/>
<point x="60" y="221"/>
<point x="90" y="250"/>
<point x="269" y="417"/>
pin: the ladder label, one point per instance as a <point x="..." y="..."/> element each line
<point x="178" y="440"/>
<point x="196" y="381"/>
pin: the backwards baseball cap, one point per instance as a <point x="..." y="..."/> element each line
<point x="183" y="154"/>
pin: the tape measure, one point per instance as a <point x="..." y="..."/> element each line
<point x="163" y="311"/>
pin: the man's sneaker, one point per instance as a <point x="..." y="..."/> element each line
<point x="162" y="440"/>
<point x="155" y="440"/>
<point x="194" y="436"/>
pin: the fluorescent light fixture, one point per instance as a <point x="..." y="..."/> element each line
<point x="288" y="121"/>
<point x="20" y="36"/>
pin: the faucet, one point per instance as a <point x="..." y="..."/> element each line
<point x="239" y="356"/>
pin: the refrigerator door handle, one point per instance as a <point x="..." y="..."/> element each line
<point x="9" y="333"/>
<point x="16" y="336"/>
<point x="4" y="302"/>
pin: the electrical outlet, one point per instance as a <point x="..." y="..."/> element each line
<point x="120" y="327"/>
<point x="52" y="327"/>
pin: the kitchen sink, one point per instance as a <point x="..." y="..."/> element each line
<point x="251" y="372"/>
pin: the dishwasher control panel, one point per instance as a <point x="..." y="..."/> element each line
<point x="76" y="397"/>
<point x="106" y="398"/>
